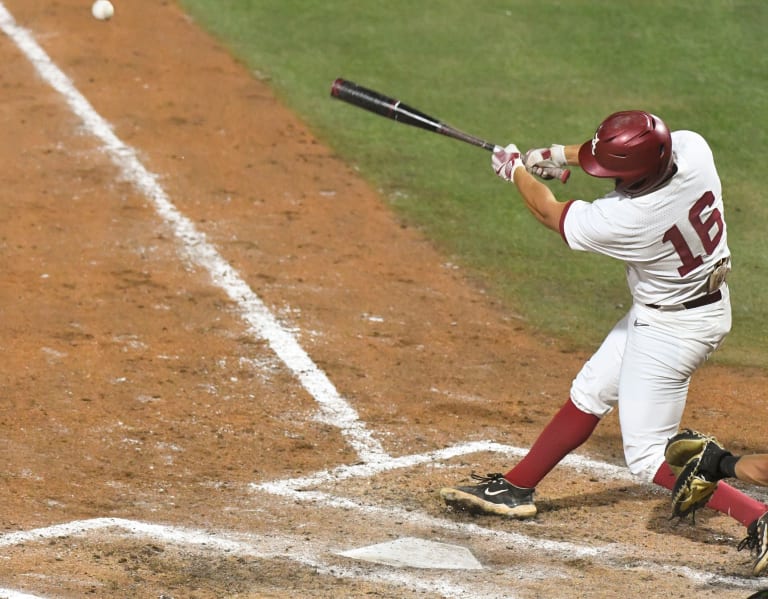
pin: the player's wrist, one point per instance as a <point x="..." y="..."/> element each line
<point x="727" y="465"/>
<point x="557" y="153"/>
<point x="505" y="161"/>
<point x="516" y="167"/>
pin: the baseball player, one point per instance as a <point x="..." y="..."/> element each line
<point x="665" y="220"/>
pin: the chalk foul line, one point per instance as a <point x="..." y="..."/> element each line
<point x="334" y="409"/>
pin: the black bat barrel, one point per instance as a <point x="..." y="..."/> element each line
<point x="385" y="106"/>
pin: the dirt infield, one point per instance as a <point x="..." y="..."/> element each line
<point x="226" y="361"/>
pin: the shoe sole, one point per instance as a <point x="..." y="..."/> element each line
<point x="762" y="560"/>
<point x="454" y="497"/>
<point x="760" y="566"/>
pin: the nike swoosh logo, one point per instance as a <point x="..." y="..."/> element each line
<point x="487" y="492"/>
<point x="641" y="324"/>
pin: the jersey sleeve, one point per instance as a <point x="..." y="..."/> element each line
<point x="562" y="220"/>
<point x="595" y="227"/>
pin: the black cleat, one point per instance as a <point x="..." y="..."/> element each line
<point x="494" y="495"/>
<point x="757" y="543"/>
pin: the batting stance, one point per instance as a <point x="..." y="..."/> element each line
<point x="665" y="220"/>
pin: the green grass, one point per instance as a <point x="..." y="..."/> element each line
<point x="533" y="73"/>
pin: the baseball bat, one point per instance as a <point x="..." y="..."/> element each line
<point x="390" y="108"/>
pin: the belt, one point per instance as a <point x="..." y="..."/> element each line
<point x="704" y="300"/>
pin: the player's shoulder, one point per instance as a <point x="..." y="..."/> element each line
<point x="690" y="143"/>
<point x="684" y="136"/>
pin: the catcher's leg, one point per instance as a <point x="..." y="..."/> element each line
<point x="726" y="499"/>
<point x="757" y="543"/>
<point x="736" y="504"/>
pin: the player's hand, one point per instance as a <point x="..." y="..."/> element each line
<point x="506" y="160"/>
<point x="545" y="162"/>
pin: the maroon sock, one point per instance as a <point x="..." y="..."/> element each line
<point x="726" y="499"/>
<point x="736" y="504"/>
<point x="569" y="428"/>
<point x="664" y="477"/>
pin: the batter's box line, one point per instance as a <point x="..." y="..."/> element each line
<point x="613" y="555"/>
<point x="269" y="546"/>
<point x="274" y="546"/>
<point x="368" y="469"/>
<point x="13" y="594"/>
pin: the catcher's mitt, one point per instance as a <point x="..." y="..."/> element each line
<point x="683" y="446"/>
<point x="694" y="458"/>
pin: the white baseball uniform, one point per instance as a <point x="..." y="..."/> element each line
<point x="670" y="240"/>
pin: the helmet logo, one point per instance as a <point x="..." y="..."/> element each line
<point x="595" y="139"/>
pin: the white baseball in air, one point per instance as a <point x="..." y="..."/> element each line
<point x="102" y="10"/>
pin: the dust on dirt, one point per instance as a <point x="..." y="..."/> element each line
<point x="135" y="391"/>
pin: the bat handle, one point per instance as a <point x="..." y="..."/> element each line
<point x="447" y="130"/>
<point x="547" y="172"/>
<point x="554" y="172"/>
<point x="561" y="173"/>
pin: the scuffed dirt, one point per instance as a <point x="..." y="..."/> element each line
<point x="133" y="388"/>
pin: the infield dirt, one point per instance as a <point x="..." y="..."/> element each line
<point x="133" y="388"/>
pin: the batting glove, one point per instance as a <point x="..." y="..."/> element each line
<point x="506" y="160"/>
<point x="541" y="160"/>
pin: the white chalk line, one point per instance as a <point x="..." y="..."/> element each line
<point x="297" y="489"/>
<point x="272" y="546"/>
<point x="284" y="547"/>
<point x="367" y="470"/>
<point x="13" y="594"/>
<point x="261" y="547"/>
<point x="334" y="409"/>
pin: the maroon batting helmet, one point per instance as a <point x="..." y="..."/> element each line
<point x="633" y="147"/>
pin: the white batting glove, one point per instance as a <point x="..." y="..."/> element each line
<point x="541" y="160"/>
<point x="506" y="160"/>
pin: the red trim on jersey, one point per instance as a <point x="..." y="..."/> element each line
<point x="562" y="221"/>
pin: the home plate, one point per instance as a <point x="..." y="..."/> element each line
<point x="417" y="553"/>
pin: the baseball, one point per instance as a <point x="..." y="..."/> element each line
<point x="102" y="10"/>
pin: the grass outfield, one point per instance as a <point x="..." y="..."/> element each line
<point x="533" y="73"/>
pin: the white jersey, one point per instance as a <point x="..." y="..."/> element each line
<point x="670" y="239"/>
